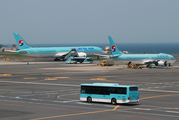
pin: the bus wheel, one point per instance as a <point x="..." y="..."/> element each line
<point x="89" y="99"/>
<point x="113" y="101"/>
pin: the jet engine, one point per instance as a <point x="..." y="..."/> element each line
<point x="82" y="54"/>
<point x="161" y="63"/>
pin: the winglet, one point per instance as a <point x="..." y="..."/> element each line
<point x="20" y="42"/>
<point x="113" y="47"/>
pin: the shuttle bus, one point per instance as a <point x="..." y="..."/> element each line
<point x="109" y="92"/>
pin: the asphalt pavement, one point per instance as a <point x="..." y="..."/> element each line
<point x="49" y="90"/>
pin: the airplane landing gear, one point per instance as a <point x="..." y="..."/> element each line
<point x="149" y="66"/>
<point x="129" y="63"/>
<point x="56" y="59"/>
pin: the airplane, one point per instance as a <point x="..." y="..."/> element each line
<point x="140" y="59"/>
<point x="57" y="52"/>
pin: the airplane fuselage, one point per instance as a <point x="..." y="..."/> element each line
<point x="142" y="59"/>
<point x="59" y="51"/>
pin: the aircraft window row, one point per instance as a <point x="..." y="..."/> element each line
<point x="145" y="57"/>
<point x="86" y="50"/>
<point x="137" y="58"/>
<point x="49" y="51"/>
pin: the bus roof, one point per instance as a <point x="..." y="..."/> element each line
<point x="108" y="85"/>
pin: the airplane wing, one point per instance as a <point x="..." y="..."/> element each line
<point x="106" y="56"/>
<point x="150" y="61"/>
<point x="114" y="56"/>
<point x="22" y="52"/>
<point x="66" y="55"/>
<point x="13" y="51"/>
<point x="158" y="62"/>
<point x="61" y="54"/>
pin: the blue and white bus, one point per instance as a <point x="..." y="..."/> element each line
<point x="109" y="92"/>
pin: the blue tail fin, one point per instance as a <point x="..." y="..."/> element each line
<point x="113" y="47"/>
<point x="20" y="42"/>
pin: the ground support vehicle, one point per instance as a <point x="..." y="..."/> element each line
<point x="107" y="63"/>
<point x="134" y="66"/>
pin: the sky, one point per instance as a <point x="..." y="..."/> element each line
<point x="89" y="21"/>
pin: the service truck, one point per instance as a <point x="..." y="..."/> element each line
<point x="107" y="63"/>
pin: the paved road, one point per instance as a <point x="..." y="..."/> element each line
<point x="50" y="91"/>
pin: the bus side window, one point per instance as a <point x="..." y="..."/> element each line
<point x="87" y="90"/>
<point x="113" y="90"/>
<point x="95" y="91"/>
<point x="121" y="90"/>
<point x="108" y="91"/>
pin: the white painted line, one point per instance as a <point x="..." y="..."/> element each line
<point x="66" y="95"/>
<point x="139" y="108"/>
<point x="83" y="103"/>
<point x="146" y="109"/>
<point x="40" y="83"/>
<point x="148" y="113"/>
<point x="159" y="90"/>
<point x="172" y="111"/>
<point x="71" y="101"/>
<point x="25" y="102"/>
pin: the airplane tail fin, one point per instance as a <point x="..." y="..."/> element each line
<point x="113" y="47"/>
<point x="20" y="42"/>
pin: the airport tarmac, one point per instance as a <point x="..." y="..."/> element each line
<point x="49" y="90"/>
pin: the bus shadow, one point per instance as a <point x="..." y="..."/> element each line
<point x="129" y="104"/>
<point x="121" y="104"/>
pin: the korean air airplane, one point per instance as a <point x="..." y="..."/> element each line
<point x="56" y="52"/>
<point x="140" y="59"/>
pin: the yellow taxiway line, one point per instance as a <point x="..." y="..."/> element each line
<point x="158" y="96"/>
<point x="70" y="115"/>
<point x="116" y="107"/>
<point x="5" y="74"/>
<point x="98" y="79"/>
<point x="143" y="75"/>
<point x="75" y="114"/>
<point x="61" y="77"/>
<point x="53" y="78"/>
<point x="30" y="78"/>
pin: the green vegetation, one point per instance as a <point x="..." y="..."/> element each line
<point x="96" y="57"/>
<point x="1" y="46"/>
<point x="12" y="55"/>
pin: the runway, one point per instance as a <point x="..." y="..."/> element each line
<point x="48" y="90"/>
